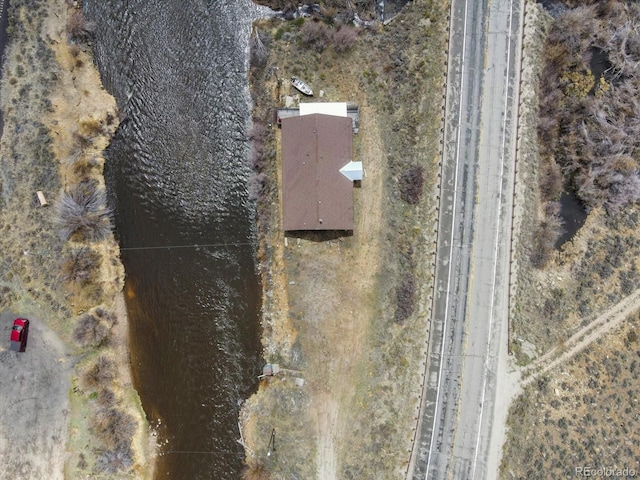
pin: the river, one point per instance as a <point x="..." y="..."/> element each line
<point x="177" y="175"/>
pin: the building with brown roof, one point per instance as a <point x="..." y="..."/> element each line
<point x="315" y="194"/>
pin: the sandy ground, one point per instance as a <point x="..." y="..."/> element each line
<point x="34" y="402"/>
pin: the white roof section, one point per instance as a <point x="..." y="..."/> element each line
<point x="338" y="109"/>
<point x="353" y="171"/>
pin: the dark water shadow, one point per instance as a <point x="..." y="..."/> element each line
<point x="573" y="215"/>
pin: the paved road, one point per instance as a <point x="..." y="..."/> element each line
<point x="470" y="311"/>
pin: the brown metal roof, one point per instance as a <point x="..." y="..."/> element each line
<point x="315" y="195"/>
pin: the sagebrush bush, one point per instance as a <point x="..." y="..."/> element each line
<point x="107" y="397"/>
<point x="114" y="427"/>
<point x="102" y="372"/>
<point x="411" y="183"/>
<point x="115" y="461"/>
<point x="344" y="39"/>
<point x="83" y="213"/>
<point x="316" y="35"/>
<point x="93" y="328"/>
<point x="78" y="26"/>
<point x="89" y="128"/>
<point x="405" y="298"/>
<point x="80" y="265"/>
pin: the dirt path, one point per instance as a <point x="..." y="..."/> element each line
<point x="582" y="338"/>
<point x="35" y="401"/>
<point x="327" y="414"/>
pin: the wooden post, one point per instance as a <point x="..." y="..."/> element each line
<point x="41" y="198"/>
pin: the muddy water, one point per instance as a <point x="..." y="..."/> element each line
<point x="177" y="175"/>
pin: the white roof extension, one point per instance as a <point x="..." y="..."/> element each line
<point x="339" y="109"/>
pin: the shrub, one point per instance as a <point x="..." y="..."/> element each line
<point x="405" y="296"/>
<point x="80" y="265"/>
<point x="544" y="239"/>
<point x="82" y="462"/>
<point x="550" y="181"/>
<point x="101" y="373"/>
<point x="78" y="26"/>
<point x="259" y="51"/>
<point x="315" y="35"/>
<point x="411" y="184"/>
<point x="88" y="128"/>
<point x="344" y="39"/>
<point x="106" y="397"/>
<point x="114" y="461"/>
<point x="258" y="186"/>
<point x="114" y="428"/>
<point x="258" y="138"/>
<point x="82" y="212"/>
<point x="93" y="328"/>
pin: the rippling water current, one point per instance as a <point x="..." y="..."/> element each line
<point x="177" y="174"/>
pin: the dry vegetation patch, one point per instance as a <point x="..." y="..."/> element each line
<point x="560" y="290"/>
<point x="589" y="109"/>
<point x="584" y="414"/>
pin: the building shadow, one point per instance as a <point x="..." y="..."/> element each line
<point x="319" y="235"/>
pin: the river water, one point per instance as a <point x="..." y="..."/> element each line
<point x="177" y="174"/>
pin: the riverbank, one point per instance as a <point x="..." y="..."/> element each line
<point x="62" y="273"/>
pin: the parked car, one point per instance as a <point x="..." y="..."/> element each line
<point x="19" y="334"/>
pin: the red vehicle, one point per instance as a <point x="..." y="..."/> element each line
<point x="19" y="334"/>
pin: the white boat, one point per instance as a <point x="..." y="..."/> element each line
<point x="301" y="86"/>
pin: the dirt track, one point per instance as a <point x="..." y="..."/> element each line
<point x="584" y="337"/>
<point x="35" y="398"/>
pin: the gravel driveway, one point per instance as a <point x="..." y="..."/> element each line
<point x="34" y="397"/>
